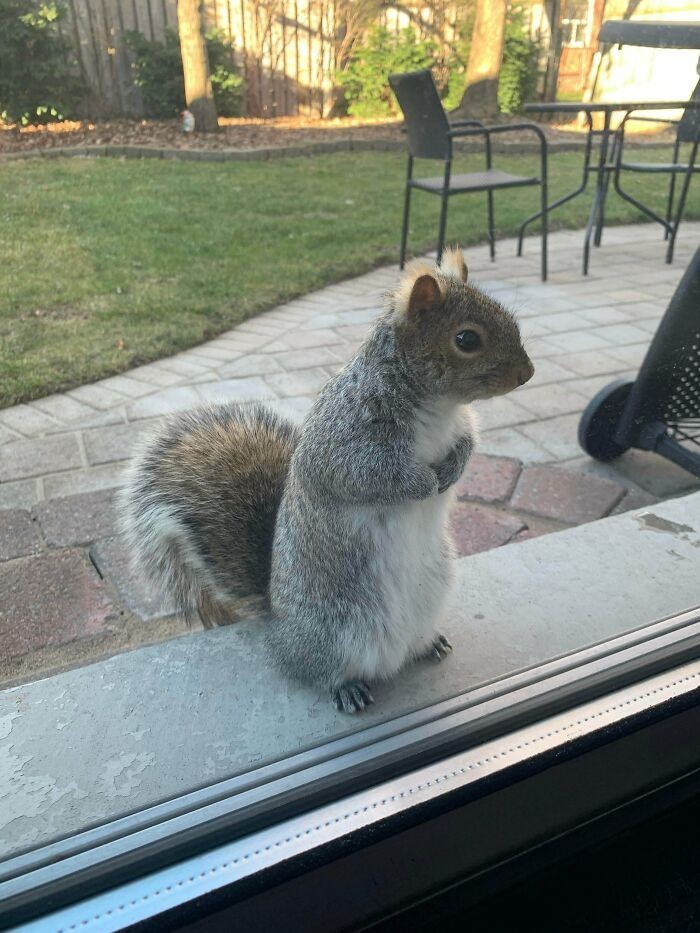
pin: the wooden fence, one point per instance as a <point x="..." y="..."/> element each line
<point x="288" y="50"/>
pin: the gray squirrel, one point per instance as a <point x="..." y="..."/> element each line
<point x="335" y="533"/>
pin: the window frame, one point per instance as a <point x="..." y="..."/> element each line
<point x="83" y="866"/>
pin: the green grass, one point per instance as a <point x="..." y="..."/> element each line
<point x="568" y="95"/>
<point x="106" y="264"/>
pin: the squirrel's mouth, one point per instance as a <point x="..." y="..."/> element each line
<point x="501" y="383"/>
<point x="518" y="376"/>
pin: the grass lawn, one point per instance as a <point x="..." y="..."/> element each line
<point x="107" y="264"/>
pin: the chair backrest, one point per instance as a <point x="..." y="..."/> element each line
<point x="689" y="123"/>
<point x="426" y="120"/>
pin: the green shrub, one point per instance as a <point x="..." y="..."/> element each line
<point x="455" y="64"/>
<point x="226" y="83"/>
<point x="518" y="78"/>
<point x="157" y="69"/>
<point x="158" y="72"/>
<point x="364" y="80"/>
<point x="38" y="72"/>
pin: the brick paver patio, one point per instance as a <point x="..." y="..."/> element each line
<point x="65" y="583"/>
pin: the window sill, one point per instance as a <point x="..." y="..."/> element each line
<point x="125" y="734"/>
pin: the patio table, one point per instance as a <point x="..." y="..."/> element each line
<point x="605" y="163"/>
<point x="651" y="34"/>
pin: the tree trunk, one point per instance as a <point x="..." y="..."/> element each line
<point x="195" y="66"/>
<point x="480" y="98"/>
<point x="551" y="78"/>
<point x="593" y="71"/>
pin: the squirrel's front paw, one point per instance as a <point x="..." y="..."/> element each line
<point x="448" y="471"/>
<point x="352" y="698"/>
<point x="423" y="484"/>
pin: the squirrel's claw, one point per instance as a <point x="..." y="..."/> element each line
<point x="440" y="648"/>
<point x="352" y="698"/>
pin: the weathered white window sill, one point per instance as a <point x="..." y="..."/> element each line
<point x="88" y="745"/>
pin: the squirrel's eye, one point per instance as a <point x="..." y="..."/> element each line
<point x="468" y="340"/>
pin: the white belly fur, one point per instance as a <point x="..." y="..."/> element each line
<point x="413" y="554"/>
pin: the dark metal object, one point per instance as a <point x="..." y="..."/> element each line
<point x="655" y="35"/>
<point x="598" y="424"/>
<point x="687" y="131"/>
<point x="608" y="157"/>
<point x="430" y="136"/>
<point x="661" y="411"/>
<point x="588" y="880"/>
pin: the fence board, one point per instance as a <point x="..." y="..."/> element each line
<point x="130" y="103"/>
<point x="297" y="67"/>
<point x="131" y="15"/>
<point x="157" y="19"/>
<point x="286" y="49"/>
<point x="115" y="86"/>
<point x="87" y="61"/>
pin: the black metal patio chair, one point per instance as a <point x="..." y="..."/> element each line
<point x="430" y="136"/>
<point x="660" y="409"/>
<point x="687" y="131"/>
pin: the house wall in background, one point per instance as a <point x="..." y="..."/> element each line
<point x="626" y="73"/>
<point x="630" y="73"/>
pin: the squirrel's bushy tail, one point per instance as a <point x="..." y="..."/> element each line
<point x="200" y="504"/>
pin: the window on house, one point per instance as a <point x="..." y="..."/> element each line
<point x="574" y="24"/>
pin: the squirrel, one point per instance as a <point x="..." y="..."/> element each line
<point x="335" y="532"/>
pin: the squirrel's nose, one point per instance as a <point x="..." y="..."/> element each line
<point x="525" y="373"/>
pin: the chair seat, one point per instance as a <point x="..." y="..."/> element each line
<point x="660" y="167"/>
<point x="475" y="181"/>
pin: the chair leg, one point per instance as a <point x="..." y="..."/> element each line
<point x="406" y="211"/>
<point x="647" y="211"/>
<point x="443" y="225"/>
<point x="600" y="220"/>
<point x="544" y="229"/>
<point x="492" y="235"/>
<point x="404" y="229"/>
<point x="679" y="213"/>
<point x="671" y="189"/>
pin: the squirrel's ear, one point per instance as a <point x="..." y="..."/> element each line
<point x="453" y="264"/>
<point x="425" y="295"/>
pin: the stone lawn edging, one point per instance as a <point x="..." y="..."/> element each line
<point x="261" y="154"/>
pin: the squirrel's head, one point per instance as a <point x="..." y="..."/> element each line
<point x="467" y="342"/>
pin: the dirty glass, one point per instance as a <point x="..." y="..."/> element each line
<point x="420" y="482"/>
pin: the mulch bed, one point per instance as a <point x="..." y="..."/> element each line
<point x="233" y="134"/>
<point x="241" y="133"/>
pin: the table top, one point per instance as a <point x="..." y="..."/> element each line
<point x="652" y="35"/>
<point x="600" y="106"/>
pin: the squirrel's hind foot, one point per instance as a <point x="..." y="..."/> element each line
<point x="352" y="698"/>
<point x="439" y="649"/>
